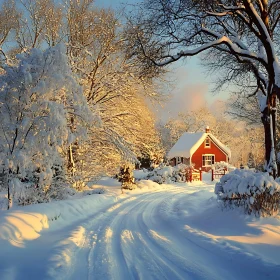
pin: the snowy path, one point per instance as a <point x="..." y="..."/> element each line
<point x="158" y="235"/>
<point x="143" y="238"/>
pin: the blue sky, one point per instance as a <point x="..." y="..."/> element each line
<point x="115" y="3"/>
<point x="192" y="89"/>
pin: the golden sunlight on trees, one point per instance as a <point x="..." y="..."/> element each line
<point x="123" y="128"/>
<point x="239" y="38"/>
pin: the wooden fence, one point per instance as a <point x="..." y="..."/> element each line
<point x="217" y="174"/>
<point x="193" y="174"/>
<point x="196" y="174"/>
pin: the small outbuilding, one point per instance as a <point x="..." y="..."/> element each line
<point x="201" y="149"/>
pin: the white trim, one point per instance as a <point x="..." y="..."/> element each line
<point x="179" y="160"/>
<point x="219" y="146"/>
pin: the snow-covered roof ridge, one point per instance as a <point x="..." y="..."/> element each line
<point x="186" y="144"/>
<point x="220" y="144"/>
<point x="189" y="142"/>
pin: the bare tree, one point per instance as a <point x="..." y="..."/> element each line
<point x="41" y="24"/>
<point x="8" y="23"/>
<point x="112" y="90"/>
<point x="240" y="34"/>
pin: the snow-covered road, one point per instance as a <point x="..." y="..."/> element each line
<point x="172" y="233"/>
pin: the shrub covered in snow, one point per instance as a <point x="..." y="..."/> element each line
<point x="125" y="176"/>
<point x="223" y="165"/>
<point x="25" y="193"/>
<point x="165" y="174"/>
<point x="258" y="193"/>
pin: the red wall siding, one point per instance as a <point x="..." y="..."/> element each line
<point x="213" y="149"/>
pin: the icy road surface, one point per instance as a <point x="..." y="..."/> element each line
<point x="176" y="232"/>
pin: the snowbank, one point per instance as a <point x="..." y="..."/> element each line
<point x="163" y="174"/>
<point x="150" y="185"/>
<point x="27" y="222"/>
<point x="178" y="230"/>
<point x="257" y="192"/>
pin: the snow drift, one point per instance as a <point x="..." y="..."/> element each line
<point x="258" y="193"/>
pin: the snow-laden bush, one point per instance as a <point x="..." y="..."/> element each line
<point x="166" y="174"/>
<point x="258" y="193"/>
<point x="126" y="177"/>
<point x="223" y="165"/>
<point x="25" y="193"/>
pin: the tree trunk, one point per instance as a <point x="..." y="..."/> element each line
<point x="9" y="198"/>
<point x="71" y="153"/>
<point x="71" y="163"/>
<point x="9" y="190"/>
<point x="269" y="123"/>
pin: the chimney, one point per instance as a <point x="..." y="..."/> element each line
<point x="207" y="129"/>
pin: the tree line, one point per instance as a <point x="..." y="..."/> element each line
<point x="72" y="106"/>
<point x="238" y="38"/>
<point x="76" y="81"/>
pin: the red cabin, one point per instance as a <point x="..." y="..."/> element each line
<point x="200" y="149"/>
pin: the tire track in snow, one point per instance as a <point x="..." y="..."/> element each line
<point x="145" y="237"/>
<point x="66" y="255"/>
<point x="115" y="256"/>
<point x="105" y="258"/>
<point x="128" y="234"/>
<point x="174" y="264"/>
<point x="206" y="251"/>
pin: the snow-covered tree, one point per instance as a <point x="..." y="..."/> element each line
<point x="125" y="126"/>
<point x="197" y="121"/>
<point x="126" y="177"/>
<point x="241" y="36"/>
<point x="37" y="95"/>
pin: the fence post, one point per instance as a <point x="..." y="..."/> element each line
<point x="212" y="174"/>
<point x="187" y="172"/>
<point x="200" y="174"/>
<point x="191" y="171"/>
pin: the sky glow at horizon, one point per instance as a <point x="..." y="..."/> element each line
<point x="193" y="86"/>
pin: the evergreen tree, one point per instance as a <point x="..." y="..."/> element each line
<point x="126" y="177"/>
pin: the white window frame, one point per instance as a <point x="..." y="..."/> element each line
<point x="207" y="145"/>
<point x="211" y="161"/>
<point x="179" y="160"/>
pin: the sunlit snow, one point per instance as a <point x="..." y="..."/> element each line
<point x="175" y="231"/>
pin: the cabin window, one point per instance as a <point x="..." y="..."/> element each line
<point x="207" y="142"/>
<point x="208" y="160"/>
<point x="179" y="160"/>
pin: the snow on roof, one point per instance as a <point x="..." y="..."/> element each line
<point x="221" y="145"/>
<point x="188" y="143"/>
